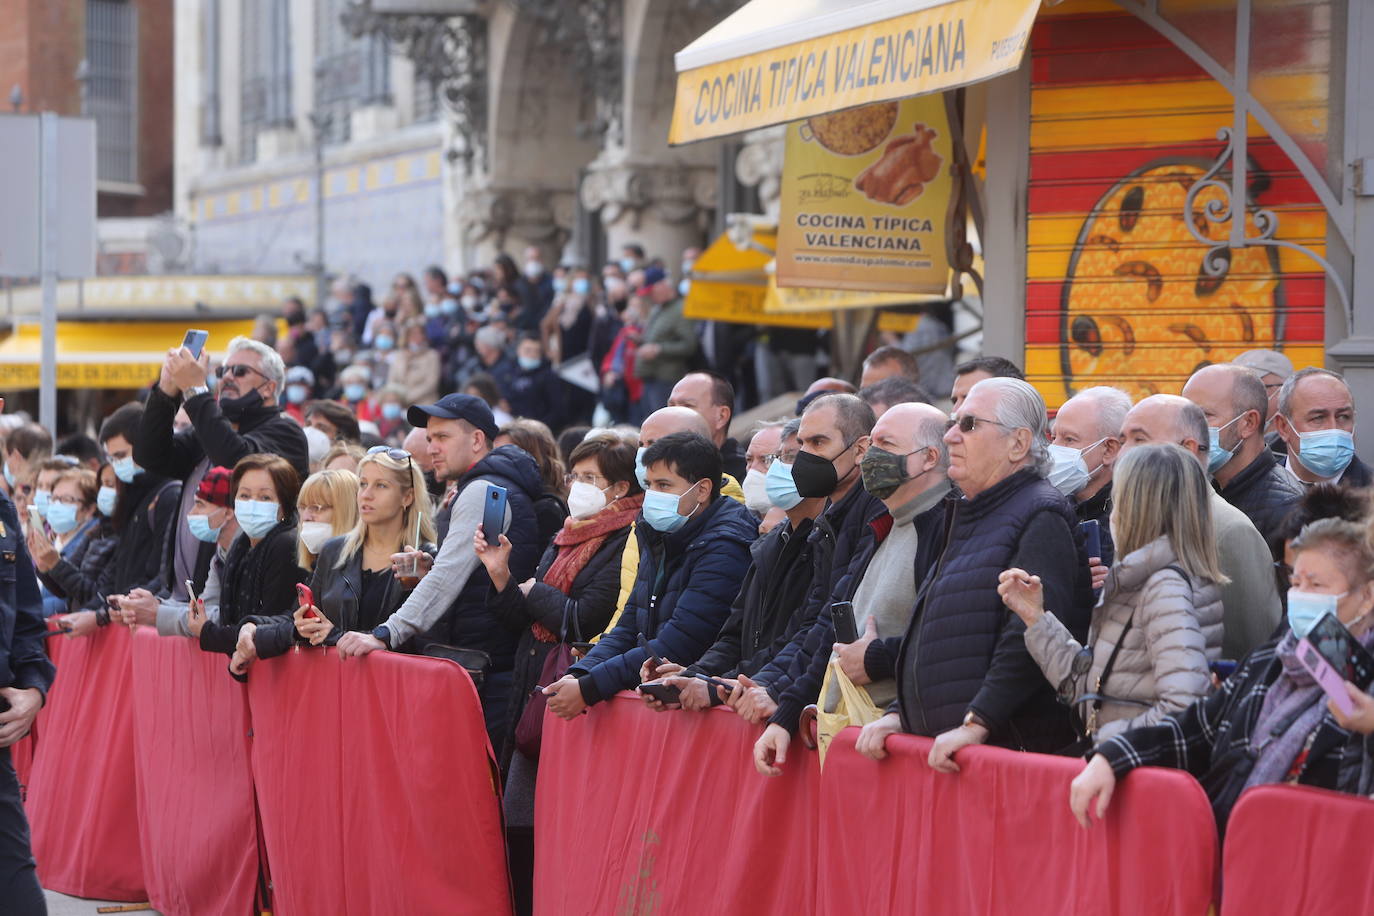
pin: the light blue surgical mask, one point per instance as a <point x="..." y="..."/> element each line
<point x="528" y="363"/>
<point x="560" y="284"/>
<point x="1306" y="608"/>
<point x="355" y="392"/>
<point x="9" y="477"/>
<point x="581" y="286"/>
<point x="61" y="517"/>
<point x="42" y="499"/>
<point x="297" y="394"/>
<point x="782" y="491"/>
<point x="1216" y="455"/>
<point x="640" y="473"/>
<point x="256" y="517"/>
<point x="627" y="264"/>
<point x="125" y="469"/>
<point x="433" y="310"/>
<point x="391" y="410"/>
<point x="449" y="306"/>
<point x="384" y="341"/>
<point x="683" y="286"/>
<point x="660" y="509"/>
<point x="1326" y="452"/>
<point x="105" y="501"/>
<point x="200" y="527"/>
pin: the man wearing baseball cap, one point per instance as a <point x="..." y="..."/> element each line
<point x="1274" y="369"/>
<point x="449" y="606"/>
<point x="666" y="345"/>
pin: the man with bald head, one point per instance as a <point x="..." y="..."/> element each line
<point x="1250" y="601"/>
<point x="713" y="398"/>
<point x="1233" y="399"/>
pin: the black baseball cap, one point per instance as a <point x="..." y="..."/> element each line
<point x="455" y="407"/>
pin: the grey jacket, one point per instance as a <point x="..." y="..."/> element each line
<point x="1162" y="666"/>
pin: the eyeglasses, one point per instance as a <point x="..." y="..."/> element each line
<point x="767" y="460"/>
<point x="570" y="479"/>
<point x="315" y="509"/>
<point x="395" y="454"/>
<point x="237" y="371"/>
<point x="968" y="423"/>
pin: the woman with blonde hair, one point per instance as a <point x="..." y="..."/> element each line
<point x="1158" y="624"/>
<point x="328" y="505"/>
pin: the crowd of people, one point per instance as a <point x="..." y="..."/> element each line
<point x="1126" y="581"/>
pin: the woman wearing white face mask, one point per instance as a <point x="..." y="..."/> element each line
<point x="1270" y="722"/>
<point x="328" y="507"/>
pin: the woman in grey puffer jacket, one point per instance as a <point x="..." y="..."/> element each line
<point x="1158" y="623"/>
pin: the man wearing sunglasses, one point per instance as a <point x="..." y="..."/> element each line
<point x="243" y="419"/>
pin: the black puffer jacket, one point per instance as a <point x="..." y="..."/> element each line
<point x="767" y="613"/>
<point x="1266" y="493"/>
<point x="964" y="650"/>
<point x="1099" y="508"/>
<point x="76" y="576"/>
<point x="138" y="556"/>
<point x="257" y="582"/>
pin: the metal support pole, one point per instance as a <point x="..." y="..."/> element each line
<point x="48" y="170"/>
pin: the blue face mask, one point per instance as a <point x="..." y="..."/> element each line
<point x="640" y="474"/>
<point x="297" y="394"/>
<point x="1326" y="452"/>
<point x="782" y="491"/>
<point x="560" y="284"/>
<point x="1306" y="608"/>
<point x="660" y="510"/>
<point x="384" y="341"/>
<point x="200" y="527"/>
<point x="9" y="477"/>
<point x="105" y="501"/>
<point x="1216" y="455"/>
<point x="627" y="264"/>
<point x="391" y="411"/>
<point x="683" y="286"/>
<point x="256" y="517"/>
<point x="529" y="363"/>
<point x="125" y="469"/>
<point x="581" y="286"/>
<point x="61" y="517"/>
<point x="42" y="499"/>
<point x="449" y="306"/>
<point x="432" y="310"/>
<point x="355" y="392"/>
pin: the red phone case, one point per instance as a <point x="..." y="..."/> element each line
<point x="307" y="598"/>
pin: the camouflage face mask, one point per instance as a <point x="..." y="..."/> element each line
<point x="883" y="472"/>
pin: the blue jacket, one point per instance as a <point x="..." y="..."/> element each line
<point x="686" y="583"/>
<point x="23" y="658"/>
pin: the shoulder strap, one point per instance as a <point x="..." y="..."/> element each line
<point x="152" y="503"/>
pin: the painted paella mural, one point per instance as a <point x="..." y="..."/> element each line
<point x="1116" y="290"/>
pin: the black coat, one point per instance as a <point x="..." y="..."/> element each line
<point x="767" y="613"/>
<point x="258" y="582"/>
<point x="536" y="394"/>
<point x="76" y="576"/>
<point x="1266" y="493"/>
<point x="23" y="654"/>
<point x="138" y="557"/>
<point x="1099" y="508"/>
<point x="267" y="430"/>
<point x="550" y="512"/>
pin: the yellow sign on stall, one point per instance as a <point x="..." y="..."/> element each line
<point x="865" y="199"/>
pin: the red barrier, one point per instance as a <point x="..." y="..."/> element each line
<point x="21" y="752"/>
<point x="998" y="837"/>
<point x="81" y="787"/>
<point x="1293" y="849"/>
<point x="639" y="811"/>
<point x="375" y="787"/>
<point x="195" y="785"/>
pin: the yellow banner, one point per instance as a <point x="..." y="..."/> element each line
<point x="865" y="199"/>
<point x="930" y="50"/>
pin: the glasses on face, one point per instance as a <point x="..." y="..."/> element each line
<point x="316" y="509"/>
<point x="767" y="460"/>
<point x="237" y="371"/>
<point x="593" y="479"/>
<point x="968" y="423"/>
<point x="65" y="500"/>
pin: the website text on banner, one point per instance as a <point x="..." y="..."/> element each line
<point x="375" y="786"/>
<point x="998" y="837"/>
<point x="81" y="795"/>
<point x="199" y="829"/>
<point x="681" y="824"/>
<point x="944" y="45"/>
<point x="1320" y="866"/>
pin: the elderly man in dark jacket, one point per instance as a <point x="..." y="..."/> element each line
<point x="964" y="675"/>
<point x="693" y="554"/>
<point x="245" y="418"/>
<point x="1245" y="470"/>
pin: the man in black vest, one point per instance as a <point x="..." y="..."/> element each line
<point x="964" y="675"/>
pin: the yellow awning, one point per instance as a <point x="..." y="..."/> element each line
<point x="737" y="285"/>
<point x="774" y="61"/>
<point x="100" y="354"/>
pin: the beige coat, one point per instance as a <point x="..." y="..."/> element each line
<point x="417" y="373"/>
<point x="1163" y="664"/>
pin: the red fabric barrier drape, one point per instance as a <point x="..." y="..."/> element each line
<point x="195" y="785"/>
<point x="81" y="787"/>
<point x="375" y="787"/>
<point x="998" y="837"/>
<point x="638" y="812"/>
<point x="1293" y="849"/>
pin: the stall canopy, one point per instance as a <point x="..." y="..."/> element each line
<point x="775" y="61"/>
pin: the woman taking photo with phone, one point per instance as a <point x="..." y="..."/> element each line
<point x="1270" y="722"/>
<point x="354" y="586"/>
<point x="1158" y="625"/>
<point x="328" y="507"/>
<point x="72" y="573"/>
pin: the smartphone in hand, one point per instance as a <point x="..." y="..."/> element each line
<point x="306" y="599"/>
<point x="195" y="341"/>
<point x="1092" y="536"/>
<point x="494" y="515"/>
<point x="842" y="614"/>
<point x="1332" y="656"/>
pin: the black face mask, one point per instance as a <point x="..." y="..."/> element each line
<point x="815" y="476"/>
<point x="235" y="409"/>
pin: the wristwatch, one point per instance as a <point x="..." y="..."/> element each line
<point x="382" y="632"/>
<point x="192" y="392"/>
<point x="972" y="718"/>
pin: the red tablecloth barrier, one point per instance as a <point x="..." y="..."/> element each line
<point x="21" y="752"/>
<point x="1292" y="849"/>
<point x="195" y="785"/>
<point x="640" y="812"/>
<point x="898" y="837"/>
<point x="375" y="786"/>
<point x="81" y="787"/>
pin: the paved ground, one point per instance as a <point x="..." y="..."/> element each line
<point x="62" y="905"/>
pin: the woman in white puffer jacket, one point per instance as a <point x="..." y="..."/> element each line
<point x="1158" y="623"/>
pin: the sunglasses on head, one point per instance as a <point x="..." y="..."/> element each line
<point x="395" y="454"/>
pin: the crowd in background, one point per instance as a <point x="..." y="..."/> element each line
<point x="925" y="551"/>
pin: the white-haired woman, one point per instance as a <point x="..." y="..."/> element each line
<point x="1159" y="622"/>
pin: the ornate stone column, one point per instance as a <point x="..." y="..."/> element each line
<point x="665" y="208"/>
<point x="759" y="164"/>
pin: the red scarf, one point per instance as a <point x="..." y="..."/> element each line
<point x="578" y="542"/>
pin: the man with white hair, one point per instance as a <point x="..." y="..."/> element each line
<point x="491" y="355"/>
<point x="964" y="675"/>
<point x="245" y="418"/>
<point x="1086" y="444"/>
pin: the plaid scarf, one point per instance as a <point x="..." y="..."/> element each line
<point x="578" y="542"/>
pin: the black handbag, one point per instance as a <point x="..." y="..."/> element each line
<point x="475" y="662"/>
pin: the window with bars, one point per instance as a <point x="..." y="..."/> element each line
<point x="111" y="96"/>
<point x="349" y="72"/>
<point x="265" y="92"/>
